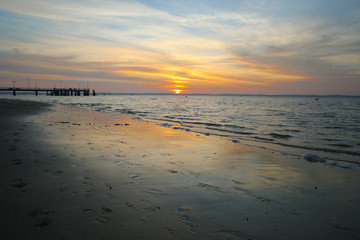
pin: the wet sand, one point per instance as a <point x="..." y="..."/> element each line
<point x="71" y="173"/>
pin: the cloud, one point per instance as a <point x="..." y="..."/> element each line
<point x="233" y="46"/>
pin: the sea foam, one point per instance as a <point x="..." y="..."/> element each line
<point x="311" y="157"/>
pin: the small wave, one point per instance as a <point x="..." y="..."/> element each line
<point x="124" y="110"/>
<point x="165" y="125"/>
<point x="207" y="124"/>
<point x="103" y="109"/>
<point x="253" y="136"/>
<point x="320" y="149"/>
<point x="341" y="165"/>
<point x="292" y="130"/>
<point x="194" y="122"/>
<point x="341" y="145"/>
<point x="264" y="139"/>
<point x="330" y="140"/>
<point x="165" y="120"/>
<point x="181" y="128"/>
<point x="332" y="127"/>
<point x="311" y="157"/>
<point x="218" y="126"/>
<point x="235" y="126"/>
<point x="277" y="135"/>
<point x="229" y="131"/>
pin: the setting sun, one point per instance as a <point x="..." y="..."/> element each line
<point x="177" y="91"/>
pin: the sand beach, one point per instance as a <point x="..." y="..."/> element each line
<point x="72" y="173"/>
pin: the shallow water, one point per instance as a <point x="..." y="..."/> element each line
<point x="129" y="178"/>
<point x="329" y="126"/>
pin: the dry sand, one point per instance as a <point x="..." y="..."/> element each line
<point x="70" y="173"/>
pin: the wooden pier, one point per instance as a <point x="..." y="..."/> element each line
<point x="53" y="91"/>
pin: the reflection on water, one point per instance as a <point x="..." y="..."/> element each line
<point x="292" y="124"/>
<point x="191" y="186"/>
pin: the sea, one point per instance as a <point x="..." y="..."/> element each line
<point x="326" y="126"/>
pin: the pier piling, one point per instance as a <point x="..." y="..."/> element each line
<point x="54" y="91"/>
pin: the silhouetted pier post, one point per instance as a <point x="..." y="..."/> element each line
<point x="14" y="89"/>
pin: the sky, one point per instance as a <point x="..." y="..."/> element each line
<point x="184" y="46"/>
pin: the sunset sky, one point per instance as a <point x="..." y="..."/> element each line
<point x="202" y="46"/>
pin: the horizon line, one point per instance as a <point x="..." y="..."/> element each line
<point x="229" y="94"/>
<point x="216" y="94"/>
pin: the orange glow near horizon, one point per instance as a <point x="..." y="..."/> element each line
<point x="176" y="88"/>
<point x="174" y="78"/>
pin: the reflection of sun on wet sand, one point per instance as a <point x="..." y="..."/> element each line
<point x="71" y="173"/>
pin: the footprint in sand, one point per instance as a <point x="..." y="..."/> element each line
<point x="183" y="213"/>
<point x="150" y="206"/>
<point x="54" y="173"/>
<point x="43" y="222"/>
<point x="12" y="148"/>
<point x="87" y="189"/>
<point x="176" y="172"/>
<point x="57" y="173"/>
<point x="102" y="220"/>
<point x="237" y="182"/>
<point x="184" y="216"/>
<point x="64" y="189"/>
<point x="171" y="231"/>
<point x="194" y="174"/>
<point x="18" y="183"/>
<point x="89" y="212"/>
<point x="135" y="177"/>
<point x="108" y="185"/>
<point x="87" y="183"/>
<point x="17" y="161"/>
<point x="251" y="194"/>
<point x="175" y="163"/>
<point x="130" y="204"/>
<point x="92" y="213"/>
<point x="41" y="217"/>
<point x="106" y="210"/>
<point x="157" y="192"/>
<point x="206" y="186"/>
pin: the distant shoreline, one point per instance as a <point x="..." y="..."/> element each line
<point x="208" y="94"/>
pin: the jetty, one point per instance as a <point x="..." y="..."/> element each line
<point x="53" y="91"/>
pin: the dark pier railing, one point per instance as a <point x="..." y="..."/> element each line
<point x="53" y="91"/>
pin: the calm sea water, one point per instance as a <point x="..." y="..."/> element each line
<point x="327" y="126"/>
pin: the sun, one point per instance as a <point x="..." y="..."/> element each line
<point x="177" y="91"/>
